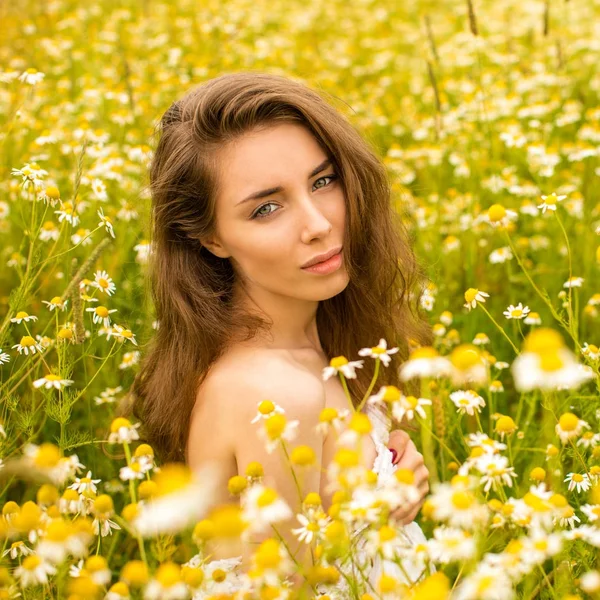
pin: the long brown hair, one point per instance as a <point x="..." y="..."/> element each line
<point x="192" y="288"/>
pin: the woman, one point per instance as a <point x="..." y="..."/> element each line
<point x="254" y="177"/>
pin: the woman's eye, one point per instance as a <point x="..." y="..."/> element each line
<point x="258" y="215"/>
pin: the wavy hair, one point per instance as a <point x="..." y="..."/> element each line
<point x="192" y="288"/>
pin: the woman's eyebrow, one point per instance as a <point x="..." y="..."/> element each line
<point x="275" y="190"/>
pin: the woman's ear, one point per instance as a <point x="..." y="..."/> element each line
<point x="214" y="247"/>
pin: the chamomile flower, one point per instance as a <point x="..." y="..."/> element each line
<point x="589" y="439"/>
<point x="469" y="365"/>
<point x="484" y="441"/>
<point x="166" y="584"/>
<point x="108" y="395"/>
<point x="132" y="471"/>
<point x="467" y="401"/>
<point x="407" y="406"/>
<point x="68" y="213"/>
<point x="578" y="481"/>
<point x="103" y="282"/>
<point x="591" y="511"/>
<point x="331" y="417"/>
<point x="546" y="363"/>
<point x="550" y="201"/>
<point x="100" y="314"/>
<point x="457" y="505"/>
<point x="28" y="345"/>
<point x="85" y="484"/>
<point x="46" y="458"/>
<point x="266" y="409"/>
<point x="532" y="318"/>
<point x="516" y="312"/>
<point x="103" y="509"/>
<point x="31" y="174"/>
<point x="591" y="351"/>
<point x="573" y="282"/>
<point x="123" y="432"/>
<point x="425" y="362"/>
<point x="23" y="316"/>
<point x="495" y="471"/>
<point x="570" y="426"/>
<point x="4" y="357"/>
<point x="485" y="582"/>
<point x="52" y="381"/>
<point x="277" y="428"/>
<point x="381" y="351"/>
<point x="34" y="571"/>
<point x="17" y="549"/>
<point x="473" y="296"/>
<point x="31" y="76"/>
<point x="105" y="222"/>
<point x="122" y="334"/>
<point x="313" y="528"/>
<point x="450" y="544"/>
<point x="56" y="303"/>
<point x="499" y="216"/>
<point x="182" y="497"/>
<point x="340" y="364"/>
<point x="262" y="506"/>
<point x="481" y="339"/>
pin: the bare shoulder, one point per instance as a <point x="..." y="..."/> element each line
<point x="244" y="378"/>
<point x="228" y="397"/>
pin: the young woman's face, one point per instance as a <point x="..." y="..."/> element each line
<point x="269" y="239"/>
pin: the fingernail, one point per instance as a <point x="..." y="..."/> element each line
<point x="394" y="455"/>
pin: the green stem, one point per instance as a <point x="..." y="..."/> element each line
<point x="499" y="328"/>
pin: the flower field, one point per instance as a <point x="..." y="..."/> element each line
<point x="487" y="117"/>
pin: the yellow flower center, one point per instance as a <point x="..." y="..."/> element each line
<point x="265" y="407"/>
<point x="391" y="394"/>
<point x="118" y="423"/>
<point x="505" y="424"/>
<point x="412" y="401"/>
<point x="102" y="311"/>
<point x="327" y="415"/>
<point x="57" y="531"/>
<point x="47" y="455"/>
<point x="168" y="574"/>
<point x="266" y="498"/>
<point x="465" y="356"/>
<point x="568" y="421"/>
<point x="346" y="458"/>
<point x="462" y="500"/>
<point x="31" y="562"/>
<point x="551" y="200"/>
<point x="360" y="423"/>
<point x="338" y="361"/>
<point x="405" y="476"/>
<point x="424" y="352"/>
<point x="172" y="477"/>
<point x="550" y="361"/>
<point x="275" y="425"/>
<point x="543" y="340"/>
<point x="496" y="212"/>
<point x="470" y="294"/>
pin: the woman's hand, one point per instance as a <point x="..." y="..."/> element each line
<point x="408" y="457"/>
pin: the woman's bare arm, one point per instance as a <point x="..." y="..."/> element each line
<point x="302" y="397"/>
